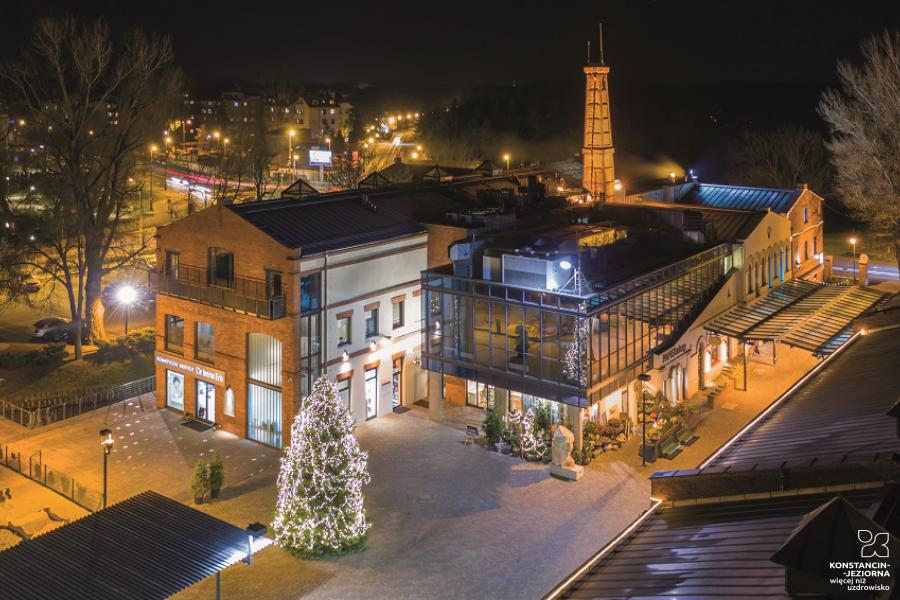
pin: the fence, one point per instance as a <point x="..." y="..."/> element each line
<point x="38" y="471"/>
<point x="43" y="409"/>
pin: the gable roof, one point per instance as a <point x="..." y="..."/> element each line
<point x="742" y="197"/>
<point x="319" y="224"/>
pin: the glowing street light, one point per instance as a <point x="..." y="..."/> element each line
<point x="291" y="134"/>
<point x="853" y="243"/>
<point x="617" y="185"/>
<point x="415" y="155"/>
<point x="106" y="442"/>
<point x="328" y="141"/>
<point x="506" y="158"/>
<point x="126" y="295"/>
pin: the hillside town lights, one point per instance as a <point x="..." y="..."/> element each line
<point x="106" y="442"/>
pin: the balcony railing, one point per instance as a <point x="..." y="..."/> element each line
<point x="242" y="294"/>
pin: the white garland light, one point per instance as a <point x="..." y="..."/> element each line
<point x="320" y="500"/>
<point x="575" y="363"/>
<point x="521" y="426"/>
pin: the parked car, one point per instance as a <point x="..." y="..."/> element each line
<point x="52" y="329"/>
<point x="56" y="329"/>
<point x="30" y="284"/>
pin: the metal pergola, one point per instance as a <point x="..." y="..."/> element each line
<point x="799" y="313"/>
<point x="147" y="547"/>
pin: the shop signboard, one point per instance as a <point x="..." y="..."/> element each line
<point x="198" y="370"/>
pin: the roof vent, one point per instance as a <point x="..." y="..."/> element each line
<point x="367" y="203"/>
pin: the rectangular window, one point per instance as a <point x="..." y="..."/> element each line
<point x="206" y="342"/>
<point x="343" y="388"/>
<point x="343" y="331"/>
<point x="371" y="393"/>
<point x="310" y="292"/>
<point x="173" y="260"/>
<point x="398" y="314"/>
<point x="220" y="267"/>
<point x="805" y="215"/>
<point x="174" y="334"/>
<point x="264" y="415"/>
<point x="174" y="390"/>
<point x="805" y="249"/>
<point x="372" y="323"/>
<point x="815" y="244"/>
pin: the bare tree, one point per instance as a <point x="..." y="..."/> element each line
<point x="784" y="157"/>
<point x="345" y="174"/>
<point x="864" y="118"/>
<point x="93" y="105"/>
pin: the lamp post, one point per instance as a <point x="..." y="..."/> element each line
<point x="506" y="158"/>
<point x="644" y="378"/>
<point x="153" y="149"/>
<point x="126" y="295"/>
<point x="291" y="134"/>
<point x="853" y="243"/>
<point x="106" y="442"/>
<point x="168" y="141"/>
<point x="328" y="141"/>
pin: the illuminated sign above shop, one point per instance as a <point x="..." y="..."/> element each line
<point x="191" y="368"/>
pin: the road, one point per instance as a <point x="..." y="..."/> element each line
<point x="878" y="271"/>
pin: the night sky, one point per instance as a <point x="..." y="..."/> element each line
<point x="490" y="42"/>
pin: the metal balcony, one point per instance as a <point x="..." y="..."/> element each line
<point x="241" y="294"/>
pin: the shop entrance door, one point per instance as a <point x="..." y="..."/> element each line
<point x="397" y="383"/>
<point x="206" y="401"/>
<point x="371" y="388"/>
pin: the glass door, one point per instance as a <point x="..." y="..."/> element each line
<point x="371" y="393"/>
<point x="206" y="401"/>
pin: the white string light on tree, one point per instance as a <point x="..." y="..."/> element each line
<point x="320" y="501"/>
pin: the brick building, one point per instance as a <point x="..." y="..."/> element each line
<point x="253" y="300"/>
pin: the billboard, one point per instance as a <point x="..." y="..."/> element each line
<point x="319" y="157"/>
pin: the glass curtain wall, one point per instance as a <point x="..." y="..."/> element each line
<point x="543" y="336"/>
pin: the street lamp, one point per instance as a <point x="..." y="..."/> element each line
<point x="506" y="158"/>
<point x="291" y="134"/>
<point x="853" y="243"/>
<point x="644" y="378"/>
<point x="153" y="148"/>
<point x="126" y="295"/>
<point x="328" y="141"/>
<point x="106" y="442"/>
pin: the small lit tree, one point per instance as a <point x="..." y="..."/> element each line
<point x="320" y="501"/>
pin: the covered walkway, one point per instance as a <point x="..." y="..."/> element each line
<point x="799" y="313"/>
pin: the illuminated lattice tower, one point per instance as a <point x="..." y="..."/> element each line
<point x="599" y="172"/>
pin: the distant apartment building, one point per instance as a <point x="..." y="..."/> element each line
<point x="257" y="300"/>
<point x="313" y="117"/>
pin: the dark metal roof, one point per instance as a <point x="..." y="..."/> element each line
<point x="327" y="223"/>
<point x="799" y="313"/>
<point x="146" y="547"/>
<point x="839" y="412"/>
<point x="710" y="550"/>
<point x="743" y="198"/>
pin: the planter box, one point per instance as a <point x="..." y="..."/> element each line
<point x="651" y="452"/>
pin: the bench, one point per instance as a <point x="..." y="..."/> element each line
<point x="686" y="436"/>
<point x="669" y="448"/>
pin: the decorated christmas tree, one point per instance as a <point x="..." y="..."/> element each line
<point x="320" y="500"/>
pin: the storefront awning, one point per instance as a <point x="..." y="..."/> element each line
<point x="799" y="313"/>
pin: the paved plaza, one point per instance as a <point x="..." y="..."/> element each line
<point x="449" y="520"/>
